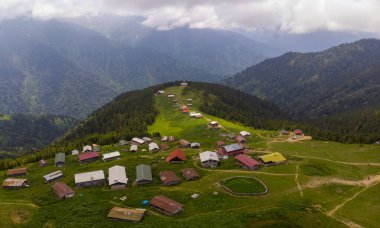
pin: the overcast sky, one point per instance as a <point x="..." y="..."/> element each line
<point x="292" y="16"/>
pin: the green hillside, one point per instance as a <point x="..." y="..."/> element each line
<point x="21" y="134"/>
<point x="341" y="79"/>
<point x="323" y="184"/>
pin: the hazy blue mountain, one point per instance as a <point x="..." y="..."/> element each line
<point x="52" y="67"/>
<point x="216" y="51"/>
<point x="341" y="79"/>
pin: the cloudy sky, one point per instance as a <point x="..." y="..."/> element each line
<point x="291" y="16"/>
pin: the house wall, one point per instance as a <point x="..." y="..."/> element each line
<point x="142" y="182"/>
<point x="118" y="186"/>
<point x="210" y="164"/>
<point x="59" y="164"/>
<point x="89" y="160"/>
<point x="90" y="183"/>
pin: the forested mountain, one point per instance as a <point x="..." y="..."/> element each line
<point x="342" y="79"/>
<point x="52" y="67"/>
<point x="219" y="52"/>
<point x="20" y="134"/>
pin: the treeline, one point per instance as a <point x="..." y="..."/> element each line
<point x="234" y="105"/>
<point x="22" y="133"/>
<point x="127" y="116"/>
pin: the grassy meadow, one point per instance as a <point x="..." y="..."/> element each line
<point x="301" y="192"/>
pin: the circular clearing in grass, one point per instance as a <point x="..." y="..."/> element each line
<point x="244" y="186"/>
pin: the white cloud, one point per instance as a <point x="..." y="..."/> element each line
<point x="293" y="16"/>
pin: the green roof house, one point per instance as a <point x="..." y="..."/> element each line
<point x="60" y="159"/>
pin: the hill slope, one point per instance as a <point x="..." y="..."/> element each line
<point x="20" y="134"/>
<point x="52" y="67"/>
<point x="341" y="79"/>
<point x="323" y="183"/>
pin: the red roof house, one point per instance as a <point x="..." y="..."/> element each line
<point x="17" y="172"/>
<point x="247" y="161"/>
<point x="240" y="139"/>
<point x="166" y="205"/>
<point x="220" y="143"/>
<point x="169" y="178"/>
<point x="190" y="174"/>
<point x="298" y="132"/>
<point x="88" y="157"/>
<point x="176" y="156"/>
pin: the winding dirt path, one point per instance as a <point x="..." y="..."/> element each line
<point x="298" y="184"/>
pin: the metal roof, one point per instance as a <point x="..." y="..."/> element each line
<point x="53" y="175"/>
<point x="117" y="175"/>
<point x="60" y="157"/>
<point x="208" y="155"/>
<point x="133" y="148"/>
<point x="89" y="176"/>
<point x="130" y="214"/>
<point x="273" y="157"/>
<point x="138" y="140"/>
<point x="143" y="172"/>
<point x="111" y="155"/>
<point x="233" y="147"/>
<point x="87" y="148"/>
<point x="14" y="182"/>
<point x="245" y="133"/>
<point x="166" y="204"/>
<point x="153" y="146"/>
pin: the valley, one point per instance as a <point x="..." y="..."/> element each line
<point x="323" y="183"/>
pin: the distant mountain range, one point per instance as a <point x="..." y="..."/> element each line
<point x="56" y="67"/>
<point x="342" y="79"/>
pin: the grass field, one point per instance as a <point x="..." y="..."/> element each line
<point x="244" y="185"/>
<point x="322" y="185"/>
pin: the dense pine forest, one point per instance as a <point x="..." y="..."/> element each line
<point x="22" y="134"/>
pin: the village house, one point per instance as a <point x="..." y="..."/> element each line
<point x="176" y="156"/>
<point x="138" y="141"/>
<point x="190" y="174"/>
<point x="164" y="139"/>
<point x="189" y="100"/>
<point x="42" y="163"/>
<point x="171" y="138"/>
<point x="196" y="115"/>
<point x="126" y="214"/>
<point x="231" y="136"/>
<point x="166" y="205"/>
<point x="164" y="146"/>
<point x="231" y="150"/>
<point x="17" y="172"/>
<point x="298" y="132"/>
<point x="169" y="178"/>
<point x="220" y="144"/>
<point x="96" y="147"/>
<point x="209" y="159"/>
<point x="284" y="132"/>
<point x="247" y="162"/>
<point x="133" y="148"/>
<point x="60" y="159"/>
<point x="184" y="84"/>
<point x="75" y="152"/>
<point x="184" y="109"/>
<point x="153" y="147"/>
<point x="161" y="92"/>
<point x="214" y="125"/>
<point x="13" y="183"/>
<point x="117" y="177"/>
<point x="183" y="143"/>
<point x="87" y="148"/>
<point x="123" y="142"/>
<point x="171" y="96"/>
<point x="272" y="159"/>
<point x="95" y="178"/>
<point x="143" y="174"/>
<point x="245" y="133"/>
<point x="195" y="145"/>
<point x="88" y="157"/>
<point x="240" y="139"/>
<point x="62" y="190"/>
<point x="147" y="139"/>
<point x="111" y="156"/>
<point x="53" y="176"/>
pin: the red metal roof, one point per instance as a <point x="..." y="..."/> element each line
<point x="166" y="204"/>
<point x="179" y="154"/>
<point x="61" y="189"/>
<point x="18" y="171"/>
<point x="190" y="173"/>
<point x="247" y="160"/>
<point x="168" y="177"/>
<point x="88" y="155"/>
<point x="298" y="132"/>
